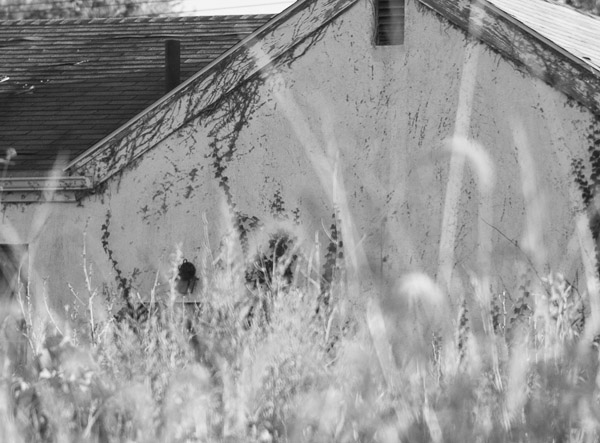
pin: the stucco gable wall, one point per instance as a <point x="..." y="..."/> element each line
<point x="380" y="118"/>
<point x="529" y="132"/>
<point x="330" y="107"/>
<point x="273" y="143"/>
<point x="376" y="120"/>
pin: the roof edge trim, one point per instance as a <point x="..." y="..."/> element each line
<point x="119" y="20"/>
<point x="48" y="189"/>
<point x="242" y="61"/>
<point x="524" y="46"/>
<point x="543" y="39"/>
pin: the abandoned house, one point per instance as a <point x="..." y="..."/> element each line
<point x="442" y="136"/>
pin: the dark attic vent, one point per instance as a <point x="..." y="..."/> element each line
<point x="390" y="22"/>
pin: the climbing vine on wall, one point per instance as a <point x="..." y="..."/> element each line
<point x="123" y="284"/>
<point x="590" y="187"/>
<point x="278" y="256"/>
<point x="244" y="225"/>
<point x="228" y="117"/>
<point x="334" y="261"/>
<point x="278" y="206"/>
<point x="227" y="123"/>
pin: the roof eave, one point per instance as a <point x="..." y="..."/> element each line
<point x="257" y="51"/>
<point x="56" y="189"/>
<point x="525" y="47"/>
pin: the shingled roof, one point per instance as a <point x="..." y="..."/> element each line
<point x="555" y="43"/>
<point x="66" y="84"/>
<point x="576" y="33"/>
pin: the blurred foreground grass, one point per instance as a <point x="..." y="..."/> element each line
<point x="294" y="360"/>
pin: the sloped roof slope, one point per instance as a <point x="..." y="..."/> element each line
<point x="65" y="84"/>
<point x="575" y="32"/>
<point x="559" y="45"/>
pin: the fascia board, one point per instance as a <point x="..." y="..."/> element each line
<point x="42" y="189"/>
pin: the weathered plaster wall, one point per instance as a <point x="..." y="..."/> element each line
<point x="341" y="124"/>
<point x="270" y="145"/>
<point x="529" y="133"/>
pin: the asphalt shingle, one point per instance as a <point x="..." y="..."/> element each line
<point x="66" y="84"/>
<point x="576" y="32"/>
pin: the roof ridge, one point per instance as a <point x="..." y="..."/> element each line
<point x="136" y="19"/>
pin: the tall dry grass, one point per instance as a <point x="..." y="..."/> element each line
<point x="416" y="368"/>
